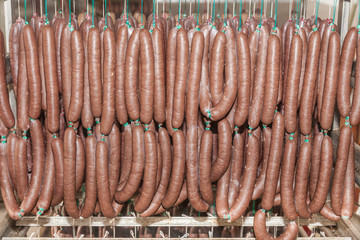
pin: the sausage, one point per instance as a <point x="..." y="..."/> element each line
<point x="14" y="50"/>
<point x="236" y="168"/>
<point x="328" y="213"/>
<point x="47" y="188"/>
<point x="272" y="79"/>
<point x="57" y="147"/>
<point x="33" y="72"/>
<point x="70" y="176"/>
<point x="87" y="119"/>
<point x="308" y="91"/>
<point x="292" y="85"/>
<point x="77" y="77"/>
<point x="177" y="171"/>
<point x="66" y="66"/>
<point x="38" y="153"/>
<point x="182" y="55"/>
<point x="217" y="67"/>
<point x="108" y="105"/>
<point x="322" y="65"/>
<point x="222" y="191"/>
<point x="226" y="101"/>
<point x="259" y="80"/>
<point x="22" y="104"/>
<point x="260" y="181"/>
<point x="345" y="68"/>
<point x="205" y="186"/>
<point x="58" y="35"/>
<point x="94" y="72"/>
<point x="281" y="79"/>
<point x="114" y="158"/>
<point x="315" y="163"/>
<point x="42" y="70"/>
<point x="51" y="83"/>
<point x="148" y="187"/>
<point x="301" y="179"/>
<point x="165" y="147"/>
<point x="288" y="35"/>
<point x="170" y="77"/>
<point x="244" y="79"/>
<point x="273" y="169"/>
<point x="261" y="231"/>
<point x="131" y="71"/>
<point x="11" y="156"/>
<point x="331" y="80"/>
<point x="137" y="166"/>
<point x="7" y="191"/>
<point x="102" y="180"/>
<point x="21" y="176"/>
<point x="126" y="153"/>
<point x="253" y="47"/>
<point x="323" y="182"/>
<point x="246" y="189"/>
<point x="347" y="207"/>
<point x="303" y="35"/>
<point x="80" y="163"/>
<point x="354" y="111"/>
<point x="120" y="105"/>
<point x="222" y="161"/>
<point x="340" y="169"/>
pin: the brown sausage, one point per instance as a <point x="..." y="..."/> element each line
<point x="253" y="47"/>
<point x="178" y="170"/>
<point x="80" y="163"/>
<point x="33" y="72"/>
<point x="222" y="191"/>
<point x="58" y="32"/>
<point x="308" y="91"/>
<point x="121" y="44"/>
<point x="108" y="105"/>
<point x="244" y="79"/>
<point x="355" y="113"/>
<point x="148" y="187"/>
<point x="261" y="232"/>
<point x="219" y="167"/>
<point x="114" y="158"/>
<point x="331" y="82"/>
<point x="70" y="170"/>
<point x="272" y="79"/>
<point x="51" y="83"/>
<point x="126" y="153"/>
<point x="42" y="70"/>
<point x="288" y="35"/>
<point x="273" y="169"/>
<point x="11" y="156"/>
<point x="137" y="166"/>
<point x="57" y="147"/>
<point x="303" y="35"/>
<point x="38" y="152"/>
<point x="205" y="166"/>
<point x="315" y="163"/>
<point x="95" y="72"/>
<point x="347" y="208"/>
<point x="182" y="55"/>
<point x="323" y="183"/>
<point x="346" y="63"/>
<point x="292" y="84"/>
<point x="328" y="213"/>
<point x="21" y="176"/>
<point x="66" y="66"/>
<point x="340" y="169"/>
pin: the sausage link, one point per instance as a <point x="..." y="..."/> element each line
<point x="273" y="169"/>
<point x="331" y="82"/>
<point x="121" y="45"/>
<point x="323" y="182"/>
<point x="70" y="176"/>
<point x="57" y="147"/>
<point x="114" y="158"/>
<point x="354" y="111"/>
<point x="21" y="176"/>
<point x="177" y="171"/>
<point x="137" y="166"/>
<point x="244" y="79"/>
<point x="222" y="161"/>
<point x="11" y="156"/>
<point x="308" y="91"/>
<point x="148" y="187"/>
<point x="287" y="40"/>
<point x="315" y="163"/>
<point x="42" y="70"/>
<point x="80" y="163"/>
<point x="246" y="189"/>
<point x="14" y="50"/>
<point x="182" y="55"/>
<point x="347" y="208"/>
<point x="292" y="85"/>
<point x="301" y="179"/>
<point x="222" y="191"/>
<point x="253" y="47"/>
<point x="66" y="66"/>
<point x="58" y="32"/>
<point x="108" y="105"/>
<point x="304" y="38"/>
<point x="205" y="167"/>
<point x="328" y="213"/>
<point x="38" y="153"/>
<point x="345" y="68"/>
<point x="51" y="83"/>
<point x="33" y="72"/>
<point x="94" y="72"/>
<point x="126" y="153"/>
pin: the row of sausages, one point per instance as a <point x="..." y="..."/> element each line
<point x="170" y="109"/>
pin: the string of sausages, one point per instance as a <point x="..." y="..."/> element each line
<point x="151" y="112"/>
